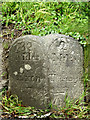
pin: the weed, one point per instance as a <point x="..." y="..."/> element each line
<point x="42" y="18"/>
<point x="73" y="109"/>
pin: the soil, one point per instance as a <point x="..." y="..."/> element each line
<point x="5" y="42"/>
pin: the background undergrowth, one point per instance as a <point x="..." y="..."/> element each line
<point x="43" y="18"/>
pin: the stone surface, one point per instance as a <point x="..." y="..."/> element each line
<point x="45" y="69"/>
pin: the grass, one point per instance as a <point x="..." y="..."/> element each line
<point x="13" y="108"/>
<point x="42" y="18"/>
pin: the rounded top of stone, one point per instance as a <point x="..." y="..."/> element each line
<point x="43" y="39"/>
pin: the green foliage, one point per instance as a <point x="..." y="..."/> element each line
<point x="2" y="74"/>
<point x="5" y="45"/>
<point x="12" y="107"/>
<point x="73" y="109"/>
<point x="42" y="18"/>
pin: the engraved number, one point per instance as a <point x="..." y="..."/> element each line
<point x="20" y="46"/>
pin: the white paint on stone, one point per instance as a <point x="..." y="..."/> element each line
<point x="72" y="52"/>
<point x="15" y="73"/>
<point x="27" y="67"/>
<point x="21" y="70"/>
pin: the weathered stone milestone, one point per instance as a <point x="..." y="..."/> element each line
<point x="45" y="69"/>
